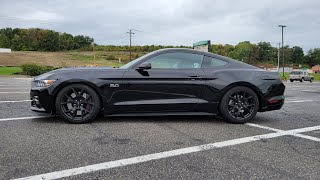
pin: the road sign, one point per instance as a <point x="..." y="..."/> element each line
<point x="202" y="45"/>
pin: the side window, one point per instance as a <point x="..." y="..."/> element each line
<point x="214" y="62"/>
<point x="176" y="61"/>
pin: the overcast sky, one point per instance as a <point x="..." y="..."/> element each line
<point x="172" y="22"/>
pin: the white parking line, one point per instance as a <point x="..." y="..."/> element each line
<point x="15" y="101"/>
<point x="14" y="92"/>
<point x="26" y="88"/>
<point x="165" y="154"/>
<point x="298" y="101"/>
<point x="22" y="118"/>
<point x="311" y="91"/>
<point x="13" y="85"/>
<point x="290" y="132"/>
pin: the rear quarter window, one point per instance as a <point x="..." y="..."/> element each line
<point x="212" y="62"/>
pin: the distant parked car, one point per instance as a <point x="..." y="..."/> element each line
<point x="300" y="76"/>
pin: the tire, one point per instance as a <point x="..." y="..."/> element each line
<point x="241" y="99"/>
<point x="78" y="103"/>
<point x="291" y="80"/>
<point x="302" y="80"/>
<point x="311" y="80"/>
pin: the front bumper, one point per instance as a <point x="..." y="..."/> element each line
<point x="41" y="101"/>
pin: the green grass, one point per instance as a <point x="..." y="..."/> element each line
<point x="316" y="76"/>
<point x="82" y="57"/>
<point x="101" y="60"/>
<point x="5" y="71"/>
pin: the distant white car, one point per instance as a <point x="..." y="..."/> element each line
<point x="300" y="76"/>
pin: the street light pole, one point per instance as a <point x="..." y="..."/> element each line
<point x="282" y="26"/>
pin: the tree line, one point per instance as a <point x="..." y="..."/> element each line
<point x="36" y="39"/>
<point x="265" y="53"/>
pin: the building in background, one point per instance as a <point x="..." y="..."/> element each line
<point x="5" y="50"/>
<point x="316" y="69"/>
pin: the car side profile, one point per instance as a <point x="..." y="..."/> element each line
<point x="164" y="82"/>
<point x="300" y="76"/>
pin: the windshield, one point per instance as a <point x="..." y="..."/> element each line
<point x="295" y="72"/>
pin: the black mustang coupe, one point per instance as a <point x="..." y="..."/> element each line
<point x="164" y="82"/>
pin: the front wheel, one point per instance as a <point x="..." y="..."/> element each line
<point x="311" y="80"/>
<point x="302" y="80"/>
<point x="239" y="105"/>
<point x="78" y="103"/>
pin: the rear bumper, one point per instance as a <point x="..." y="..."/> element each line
<point x="274" y="103"/>
<point x="274" y="98"/>
<point x="41" y="101"/>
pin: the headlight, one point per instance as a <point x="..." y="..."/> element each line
<point x="43" y="83"/>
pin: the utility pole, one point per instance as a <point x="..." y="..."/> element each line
<point x="94" y="53"/>
<point x="278" y="56"/>
<point x="130" y="36"/>
<point x="282" y="26"/>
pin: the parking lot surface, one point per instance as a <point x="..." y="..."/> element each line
<point x="282" y="144"/>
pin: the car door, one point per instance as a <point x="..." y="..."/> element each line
<point x="307" y="76"/>
<point x="174" y="83"/>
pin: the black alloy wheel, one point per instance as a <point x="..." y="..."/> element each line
<point x="239" y="105"/>
<point x="78" y="103"/>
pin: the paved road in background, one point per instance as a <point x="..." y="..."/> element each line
<point x="282" y="144"/>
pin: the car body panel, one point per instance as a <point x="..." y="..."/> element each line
<point x="135" y="91"/>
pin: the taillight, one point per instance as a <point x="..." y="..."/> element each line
<point x="272" y="101"/>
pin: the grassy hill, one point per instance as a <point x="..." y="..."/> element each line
<point x="70" y="58"/>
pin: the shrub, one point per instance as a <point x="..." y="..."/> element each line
<point x="111" y="57"/>
<point x="31" y="69"/>
<point x="36" y="69"/>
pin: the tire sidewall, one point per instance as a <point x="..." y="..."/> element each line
<point x="94" y="95"/>
<point x="224" y="102"/>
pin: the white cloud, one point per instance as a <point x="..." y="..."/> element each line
<point x="174" y="21"/>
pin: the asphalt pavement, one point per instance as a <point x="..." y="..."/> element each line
<point x="283" y="144"/>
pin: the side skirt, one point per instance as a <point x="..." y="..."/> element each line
<point x="164" y="114"/>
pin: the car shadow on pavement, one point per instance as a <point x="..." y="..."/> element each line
<point x="141" y="119"/>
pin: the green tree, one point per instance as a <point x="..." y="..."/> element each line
<point x="223" y="50"/>
<point x="17" y="43"/>
<point x="265" y="51"/>
<point x="82" y="41"/>
<point x="297" y="55"/>
<point x="66" y="42"/>
<point x="50" y="41"/>
<point x="4" y="41"/>
<point x="245" y="51"/>
<point x="313" y="57"/>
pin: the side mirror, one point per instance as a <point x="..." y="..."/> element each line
<point x="145" y="65"/>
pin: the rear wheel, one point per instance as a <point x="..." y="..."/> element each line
<point x="291" y="80"/>
<point x="239" y="105"/>
<point x="311" y="80"/>
<point x="78" y="103"/>
<point x="302" y="80"/>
